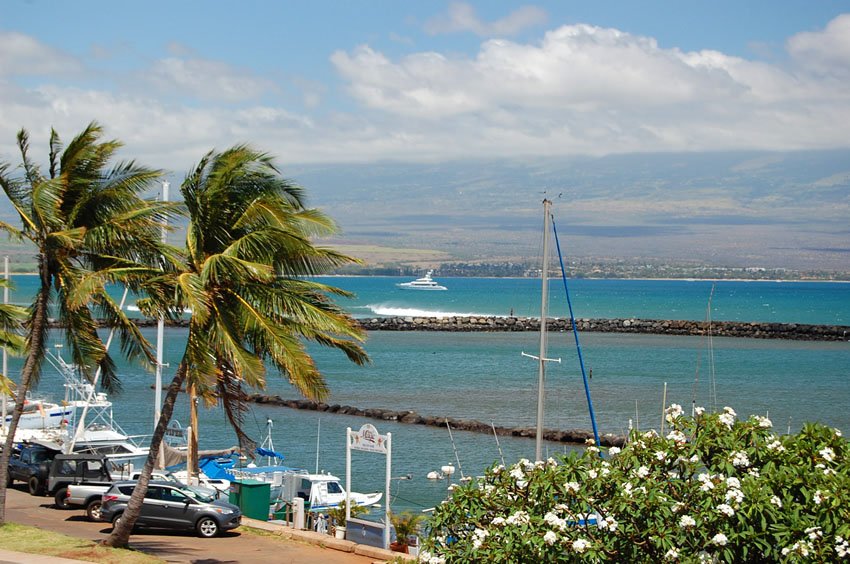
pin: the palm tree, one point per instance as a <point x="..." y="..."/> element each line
<point x="248" y="250"/>
<point x="11" y="317"/>
<point x="90" y="227"/>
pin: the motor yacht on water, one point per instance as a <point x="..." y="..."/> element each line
<point x="424" y="283"/>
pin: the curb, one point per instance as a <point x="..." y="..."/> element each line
<point x="327" y="541"/>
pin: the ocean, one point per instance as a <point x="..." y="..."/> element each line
<point x="483" y="376"/>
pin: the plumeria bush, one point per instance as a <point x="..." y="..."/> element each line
<point x="713" y="489"/>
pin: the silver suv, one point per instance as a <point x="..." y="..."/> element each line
<point x="172" y="506"/>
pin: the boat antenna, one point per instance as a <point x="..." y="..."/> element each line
<point x="318" y="437"/>
<point x="454" y="447"/>
<point x="575" y="334"/>
<point x="712" y="405"/>
<point x="499" y="446"/>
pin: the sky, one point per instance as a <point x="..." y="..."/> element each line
<point x="427" y="81"/>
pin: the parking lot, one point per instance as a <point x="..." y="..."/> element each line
<point x="232" y="546"/>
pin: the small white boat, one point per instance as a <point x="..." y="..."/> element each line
<point x="323" y="491"/>
<point x="424" y="283"/>
<point x="40" y="414"/>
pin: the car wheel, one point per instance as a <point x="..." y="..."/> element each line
<point x="93" y="510"/>
<point x="117" y="521"/>
<point x="9" y="480"/>
<point x="61" y="499"/>
<point x="207" y="527"/>
<point x="35" y="486"/>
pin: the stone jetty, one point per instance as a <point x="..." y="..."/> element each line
<point x="755" y="330"/>
<point x="572" y="436"/>
<point x="746" y="329"/>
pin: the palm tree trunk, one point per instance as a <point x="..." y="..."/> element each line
<point x="192" y="468"/>
<point x="37" y="338"/>
<point x="120" y="536"/>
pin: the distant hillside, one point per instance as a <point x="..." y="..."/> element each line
<point x="740" y="209"/>
<point x="772" y="210"/>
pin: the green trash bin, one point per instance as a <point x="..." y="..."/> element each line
<point x="253" y="497"/>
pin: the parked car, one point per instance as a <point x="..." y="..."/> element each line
<point x="172" y="506"/>
<point x="30" y="463"/>
<point x="90" y="495"/>
<point x="66" y="469"/>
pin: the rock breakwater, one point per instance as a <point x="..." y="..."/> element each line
<point x="570" y="436"/>
<point x="754" y="330"/>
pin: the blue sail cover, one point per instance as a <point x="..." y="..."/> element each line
<point x="267" y="452"/>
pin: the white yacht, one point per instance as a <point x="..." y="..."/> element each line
<point x="424" y="283"/>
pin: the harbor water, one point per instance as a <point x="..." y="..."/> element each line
<point x="483" y="376"/>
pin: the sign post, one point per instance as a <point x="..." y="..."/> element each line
<point x="369" y="440"/>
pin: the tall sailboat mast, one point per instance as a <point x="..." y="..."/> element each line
<point x="160" y="334"/>
<point x="541" y="359"/>
<point x="544" y="303"/>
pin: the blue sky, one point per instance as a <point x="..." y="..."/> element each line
<point x="321" y="81"/>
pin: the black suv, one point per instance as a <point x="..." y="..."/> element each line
<point x="172" y="506"/>
<point x="30" y="463"/>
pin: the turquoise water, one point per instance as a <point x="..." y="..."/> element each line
<point x="483" y="375"/>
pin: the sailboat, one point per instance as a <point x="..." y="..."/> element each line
<point x="541" y="358"/>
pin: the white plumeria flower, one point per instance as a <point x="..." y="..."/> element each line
<point x="842" y="547"/>
<point x="550" y="538"/>
<point x="672" y="554"/>
<point x="740" y="459"/>
<point x="754" y="472"/>
<point x="735" y="495"/>
<point x="572" y="487"/>
<point x="827" y="453"/>
<point x="818" y="497"/>
<point x="727" y="419"/>
<point x="581" y="545"/>
<point x="660" y="455"/>
<point x="837" y="432"/>
<point x="814" y="533"/>
<point x="642" y="472"/>
<point x="678" y="506"/>
<point x="763" y="422"/>
<point x="775" y="445"/>
<point x="517" y="473"/>
<point x="719" y="539"/>
<point x="725" y="509"/>
<point x="592" y="474"/>
<point x="521" y="484"/>
<point x="498" y="521"/>
<point x="673" y="412"/>
<point x="614" y="451"/>
<point x="776" y="501"/>
<point x="733" y="482"/>
<point x="677" y="436"/>
<point x="699" y="411"/>
<point x="686" y="521"/>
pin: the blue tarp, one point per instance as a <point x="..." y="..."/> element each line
<point x="267" y="452"/>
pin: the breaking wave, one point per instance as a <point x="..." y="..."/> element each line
<point x="393" y="311"/>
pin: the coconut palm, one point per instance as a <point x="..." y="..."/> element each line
<point x="90" y="227"/>
<point x="248" y="250"/>
<point x="11" y="317"/>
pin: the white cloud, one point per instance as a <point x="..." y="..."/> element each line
<point x="827" y="51"/>
<point x="22" y="55"/>
<point x="596" y="90"/>
<point x="206" y="80"/>
<point x="461" y="17"/>
<point x="577" y="89"/>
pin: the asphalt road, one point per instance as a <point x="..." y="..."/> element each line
<point x="173" y="546"/>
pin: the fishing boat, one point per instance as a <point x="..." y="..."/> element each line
<point x="89" y="426"/>
<point x="41" y="414"/>
<point x="424" y="283"/>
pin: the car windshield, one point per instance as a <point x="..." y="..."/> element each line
<point x="197" y="494"/>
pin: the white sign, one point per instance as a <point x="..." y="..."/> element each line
<point x="368" y="439"/>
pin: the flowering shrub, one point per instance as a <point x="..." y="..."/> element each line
<point x="715" y="488"/>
